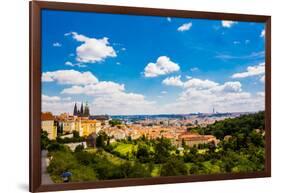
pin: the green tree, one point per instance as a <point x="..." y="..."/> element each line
<point x="163" y="147"/>
<point x="173" y="167"/>
<point x="142" y="153"/>
<point x="55" y="146"/>
<point x="61" y="162"/>
<point x="115" y="122"/>
<point x="44" y="140"/>
<point x="101" y="139"/>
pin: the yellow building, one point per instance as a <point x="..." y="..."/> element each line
<point x="88" y="127"/>
<point x="69" y="126"/>
<point x="83" y="126"/>
<point x="48" y="125"/>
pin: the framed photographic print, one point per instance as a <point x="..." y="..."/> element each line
<point x="123" y="96"/>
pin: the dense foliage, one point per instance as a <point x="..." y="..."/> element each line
<point x="115" y="122"/>
<point x="44" y="139"/>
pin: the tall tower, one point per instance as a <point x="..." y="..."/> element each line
<point x="213" y="110"/>
<point x="75" y="112"/>
<point x="82" y="110"/>
<point x="87" y="110"/>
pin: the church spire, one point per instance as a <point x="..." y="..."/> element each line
<point x="87" y="110"/>
<point x="75" y="112"/>
<point x="82" y="110"/>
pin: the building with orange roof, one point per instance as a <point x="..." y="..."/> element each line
<point x="48" y="125"/>
<point x="192" y="139"/>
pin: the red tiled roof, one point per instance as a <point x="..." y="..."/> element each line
<point x="47" y="116"/>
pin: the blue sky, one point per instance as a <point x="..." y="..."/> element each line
<point x="123" y="64"/>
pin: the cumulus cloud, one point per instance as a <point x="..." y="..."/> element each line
<point x="185" y="27"/>
<point x="199" y="84"/>
<point x="229" y="87"/>
<point x="251" y="71"/>
<point x="98" y="89"/>
<point x="58" y="107"/>
<point x="112" y="98"/>
<point x="50" y="98"/>
<point x="162" y="66"/>
<point x="47" y="98"/>
<point x="173" y="81"/>
<point x="202" y="95"/>
<point x="71" y="77"/>
<point x="123" y="103"/>
<point x="228" y="23"/>
<point x="262" y="33"/>
<point x="106" y="97"/>
<point x="68" y="63"/>
<point x="56" y="104"/>
<point x="57" y="44"/>
<point x="190" y="83"/>
<point x="92" y="50"/>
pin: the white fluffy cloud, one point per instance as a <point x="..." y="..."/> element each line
<point x="251" y="71"/>
<point x="123" y="103"/>
<point x="227" y="23"/>
<point x="199" y="84"/>
<point x="47" y="98"/>
<point x="229" y="87"/>
<point x="162" y="66"/>
<point x="92" y="50"/>
<point x="173" y="81"/>
<point x="112" y="98"/>
<point x="98" y="89"/>
<point x="50" y="98"/>
<point x="107" y="97"/>
<point x="71" y="77"/>
<point x="56" y="104"/>
<point x="202" y="95"/>
<point x="57" y="44"/>
<point x="68" y="63"/>
<point x="262" y="33"/>
<point x="185" y="27"/>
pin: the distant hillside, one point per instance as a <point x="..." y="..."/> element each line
<point x="234" y="126"/>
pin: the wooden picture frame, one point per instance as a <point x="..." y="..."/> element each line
<point x="35" y="93"/>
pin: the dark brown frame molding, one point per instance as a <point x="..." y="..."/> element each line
<point x="35" y="93"/>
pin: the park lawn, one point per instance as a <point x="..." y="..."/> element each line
<point x="90" y="150"/>
<point x="124" y="148"/>
<point x="112" y="158"/>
